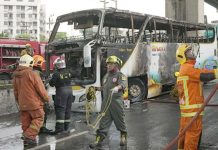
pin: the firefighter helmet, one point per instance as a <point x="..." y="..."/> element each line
<point x="180" y="53"/>
<point x="26" y="60"/>
<point x="27" y="45"/>
<point x="38" y="61"/>
<point x="114" y="59"/>
<point x="60" y="64"/>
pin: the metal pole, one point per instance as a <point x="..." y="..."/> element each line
<point x="50" y="22"/>
<point x="105" y="2"/>
<point x="115" y="1"/>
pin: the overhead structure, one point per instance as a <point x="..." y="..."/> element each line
<point x="213" y="3"/>
<point x="187" y="10"/>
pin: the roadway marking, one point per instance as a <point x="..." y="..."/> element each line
<point x="59" y="140"/>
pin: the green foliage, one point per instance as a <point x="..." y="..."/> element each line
<point x="23" y="36"/>
<point x="4" y="35"/>
<point x="60" y="35"/>
<point x="43" y="38"/>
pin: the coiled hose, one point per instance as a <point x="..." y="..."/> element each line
<point x="91" y="103"/>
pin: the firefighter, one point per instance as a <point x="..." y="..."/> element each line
<point x="61" y="79"/>
<point x="189" y="85"/>
<point x="28" y="50"/>
<point x="37" y="66"/>
<point x="30" y="95"/>
<point x="114" y="82"/>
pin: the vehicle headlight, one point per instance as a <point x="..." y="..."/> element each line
<point x="82" y="98"/>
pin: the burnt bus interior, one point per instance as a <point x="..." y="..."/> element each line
<point x="121" y="27"/>
<point x="119" y="35"/>
<point x="86" y="26"/>
<point x="163" y="30"/>
<point x="120" y="30"/>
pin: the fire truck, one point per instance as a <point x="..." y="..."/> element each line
<point x="10" y="50"/>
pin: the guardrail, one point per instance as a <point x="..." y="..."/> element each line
<point x="5" y="84"/>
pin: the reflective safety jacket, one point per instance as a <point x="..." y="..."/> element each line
<point x="61" y="78"/>
<point x="189" y="84"/>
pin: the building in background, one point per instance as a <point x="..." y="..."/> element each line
<point x="22" y="17"/>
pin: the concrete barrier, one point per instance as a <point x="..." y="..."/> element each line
<point x="7" y="102"/>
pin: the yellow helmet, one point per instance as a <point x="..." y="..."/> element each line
<point x="180" y="53"/>
<point x="114" y="59"/>
<point x="26" y="60"/>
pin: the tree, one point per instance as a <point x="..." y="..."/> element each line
<point x="43" y="38"/>
<point x="60" y="35"/>
<point x="4" y="35"/>
<point x="23" y="36"/>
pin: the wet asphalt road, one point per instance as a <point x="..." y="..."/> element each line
<point x="151" y="125"/>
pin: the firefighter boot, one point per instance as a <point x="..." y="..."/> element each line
<point x="44" y="130"/>
<point x="59" y="129"/>
<point x="123" y="139"/>
<point x="98" y="142"/>
<point x="66" y="127"/>
<point x="27" y="142"/>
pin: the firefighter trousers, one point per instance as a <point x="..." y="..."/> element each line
<point x="31" y="122"/>
<point x="191" y="138"/>
<point x="45" y="108"/>
<point x="114" y="113"/>
<point x="63" y="103"/>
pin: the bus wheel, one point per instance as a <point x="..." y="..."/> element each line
<point x="137" y="90"/>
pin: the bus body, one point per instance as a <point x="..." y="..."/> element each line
<point x="146" y="44"/>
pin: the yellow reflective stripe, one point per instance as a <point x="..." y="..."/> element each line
<point x="66" y="120"/>
<point x="190" y="114"/>
<point x="180" y="149"/>
<point x="34" y="127"/>
<point x="186" y="92"/>
<point x="200" y="88"/>
<point x="216" y="73"/>
<point x="182" y="78"/>
<point x="190" y="106"/>
<point x="60" y="121"/>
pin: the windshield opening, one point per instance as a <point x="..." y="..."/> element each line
<point x="78" y="28"/>
<point x="75" y="64"/>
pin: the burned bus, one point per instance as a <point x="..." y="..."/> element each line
<point x="146" y="44"/>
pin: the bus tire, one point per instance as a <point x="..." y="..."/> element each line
<point x="137" y="90"/>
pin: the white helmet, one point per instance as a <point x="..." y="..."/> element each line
<point x="26" y="60"/>
<point x="60" y="64"/>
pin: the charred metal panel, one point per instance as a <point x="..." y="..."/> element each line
<point x="136" y="64"/>
<point x="162" y="62"/>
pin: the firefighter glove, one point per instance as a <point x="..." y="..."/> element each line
<point x="115" y="89"/>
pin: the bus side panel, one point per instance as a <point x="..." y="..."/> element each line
<point x="162" y="65"/>
<point x="207" y="57"/>
<point x="136" y="64"/>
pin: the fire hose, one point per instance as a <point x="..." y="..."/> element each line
<point x="90" y="100"/>
<point x="174" y="141"/>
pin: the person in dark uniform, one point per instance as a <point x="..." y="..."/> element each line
<point x="114" y="83"/>
<point x="61" y="79"/>
<point x="37" y="67"/>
